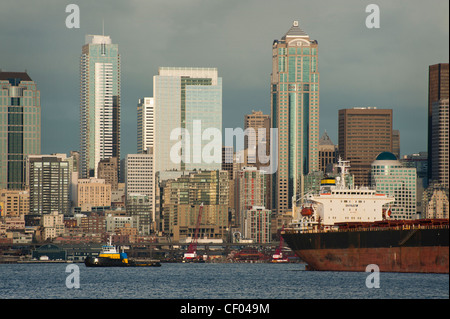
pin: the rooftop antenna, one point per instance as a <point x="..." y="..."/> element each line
<point x="103" y="46"/>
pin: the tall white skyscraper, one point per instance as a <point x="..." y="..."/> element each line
<point x="145" y="124"/>
<point x="187" y="101"/>
<point x="99" y="103"/>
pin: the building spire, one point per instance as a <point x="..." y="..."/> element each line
<point x="295" y="31"/>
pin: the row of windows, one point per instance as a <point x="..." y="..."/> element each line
<point x="297" y="51"/>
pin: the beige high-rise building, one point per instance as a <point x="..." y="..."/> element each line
<point x="15" y="203"/>
<point x="295" y="113"/>
<point x="364" y="133"/>
<point x="93" y="192"/>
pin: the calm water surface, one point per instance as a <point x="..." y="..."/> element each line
<point x="212" y="281"/>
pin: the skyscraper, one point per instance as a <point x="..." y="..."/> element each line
<point x="20" y="126"/>
<point x="295" y="112"/>
<point x="49" y="179"/>
<point x="140" y="187"/>
<point x="145" y="124"/>
<point x="186" y="101"/>
<point x="438" y="89"/>
<point x="259" y="122"/>
<point x="99" y="103"/>
<point x="364" y="132"/>
<point x="440" y="142"/>
<point x="139" y="175"/>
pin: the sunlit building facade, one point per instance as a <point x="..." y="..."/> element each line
<point x="295" y="112"/>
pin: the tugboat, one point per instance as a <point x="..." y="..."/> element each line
<point x="111" y="257"/>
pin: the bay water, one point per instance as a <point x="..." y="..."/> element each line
<point x="210" y="281"/>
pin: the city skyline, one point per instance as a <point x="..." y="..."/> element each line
<point x="384" y="68"/>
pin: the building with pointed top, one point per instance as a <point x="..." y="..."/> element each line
<point x="99" y="103"/>
<point x="295" y="113"/>
<point x="327" y="152"/>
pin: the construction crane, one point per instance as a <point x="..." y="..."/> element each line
<point x="278" y="256"/>
<point x="191" y="253"/>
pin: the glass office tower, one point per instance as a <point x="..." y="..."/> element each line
<point x="188" y="100"/>
<point x="99" y="103"/>
<point x="295" y="112"/>
<point x="20" y="126"/>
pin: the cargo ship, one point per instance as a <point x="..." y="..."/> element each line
<point x="110" y="256"/>
<point x="347" y="229"/>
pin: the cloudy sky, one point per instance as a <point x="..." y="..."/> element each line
<point x="385" y="67"/>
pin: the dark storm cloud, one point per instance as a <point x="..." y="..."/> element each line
<point x="384" y="67"/>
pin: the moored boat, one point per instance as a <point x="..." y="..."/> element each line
<point x="347" y="229"/>
<point x="110" y="256"/>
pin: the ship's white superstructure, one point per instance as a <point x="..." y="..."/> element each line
<point x="336" y="203"/>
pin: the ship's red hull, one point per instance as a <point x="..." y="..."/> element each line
<point x="393" y="259"/>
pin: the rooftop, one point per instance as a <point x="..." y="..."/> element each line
<point x="23" y="76"/>
<point x="97" y="39"/>
<point x="386" y="156"/>
<point x="325" y="139"/>
<point x="295" y="31"/>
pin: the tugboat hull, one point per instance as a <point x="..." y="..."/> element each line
<point x="108" y="262"/>
<point x="103" y="262"/>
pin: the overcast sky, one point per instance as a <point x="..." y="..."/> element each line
<point x="385" y="67"/>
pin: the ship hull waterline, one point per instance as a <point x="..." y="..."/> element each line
<point x="424" y="251"/>
<point x="108" y="262"/>
<point x="397" y="259"/>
